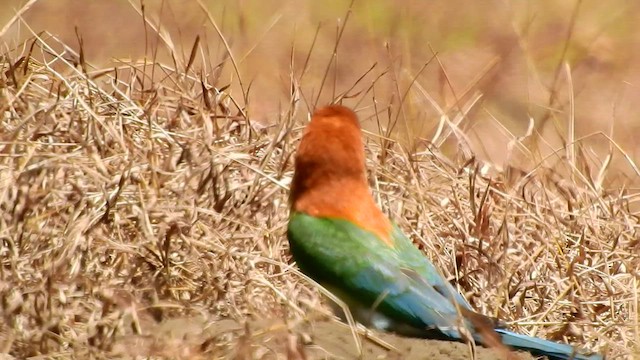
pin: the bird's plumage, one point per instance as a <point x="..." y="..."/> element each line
<point x="340" y="238"/>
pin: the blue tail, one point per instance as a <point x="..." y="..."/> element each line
<point x="541" y="347"/>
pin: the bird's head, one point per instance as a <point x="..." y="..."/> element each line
<point x="330" y="151"/>
<point x="330" y="177"/>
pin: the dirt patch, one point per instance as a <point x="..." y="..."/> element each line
<point x="270" y="339"/>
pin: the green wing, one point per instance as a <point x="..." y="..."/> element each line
<point x="417" y="261"/>
<point x="341" y="256"/>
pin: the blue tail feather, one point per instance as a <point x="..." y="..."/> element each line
<point x="541" y="347"/>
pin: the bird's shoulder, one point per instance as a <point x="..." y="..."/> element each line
<point x="333" y="231"/>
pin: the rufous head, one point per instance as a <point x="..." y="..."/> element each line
<point x="330" y="177"/>
<point x="331" y="149"/>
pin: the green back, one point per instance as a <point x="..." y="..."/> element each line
<point x="340" y="255"/>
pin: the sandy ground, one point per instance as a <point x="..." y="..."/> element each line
<point x="272" y="339"/>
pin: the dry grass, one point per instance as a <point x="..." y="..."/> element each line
<point x="129" y="199"/>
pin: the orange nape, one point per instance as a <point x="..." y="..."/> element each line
<point x="330" y="177"/>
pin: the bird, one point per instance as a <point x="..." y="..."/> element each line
<point x="340" y="238"/>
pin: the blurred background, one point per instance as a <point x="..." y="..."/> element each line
<point x="545" y="73"/>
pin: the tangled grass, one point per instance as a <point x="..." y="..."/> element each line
<point x="128" y="202"/>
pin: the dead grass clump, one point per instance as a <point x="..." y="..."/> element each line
<point x="120" y="202"/>
<point x="126" y="203"/>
